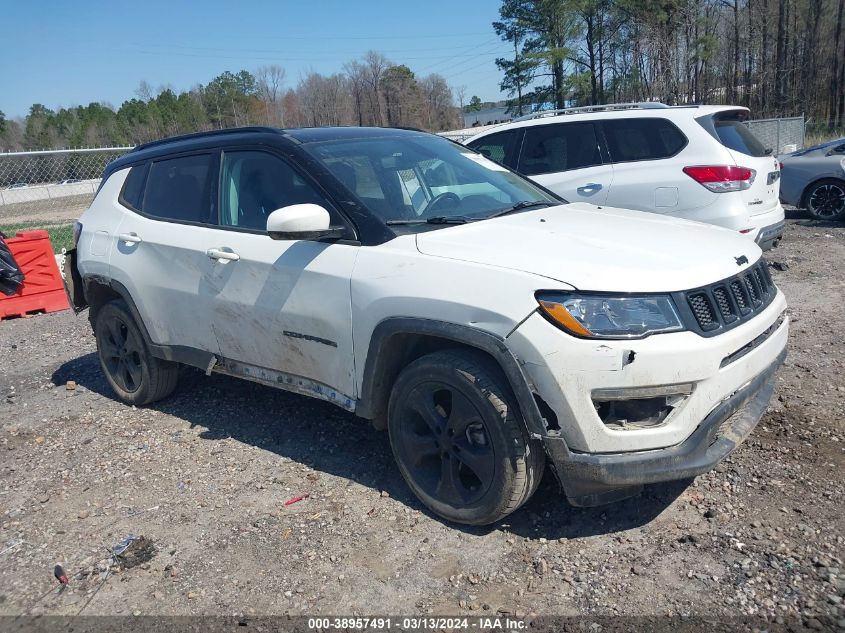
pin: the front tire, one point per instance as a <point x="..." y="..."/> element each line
<point x="459" y="440"/>
<point x="825" y="199"/>
<point x="135" y="375"/>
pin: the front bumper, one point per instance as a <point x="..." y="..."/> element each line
<point x="594" y="479"/>
<point x="564" y="372"/>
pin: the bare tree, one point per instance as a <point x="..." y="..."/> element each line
<point x="375" y="65"/>
<point x="144" y="91"/>
<point x="270" y="81"/>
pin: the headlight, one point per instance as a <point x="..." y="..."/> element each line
<point x="608" y="316"/>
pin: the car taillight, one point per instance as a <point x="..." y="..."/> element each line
<point x="77" y="231"/>
<point x="780" y="166"/>
<point x="721" y="178"/>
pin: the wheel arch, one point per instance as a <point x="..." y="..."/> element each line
<point x="396" y="342"/>
<point x="100" y="290"/>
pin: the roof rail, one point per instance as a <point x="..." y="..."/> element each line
<point x="185" y="137"/>
<point x="643" y="105"/>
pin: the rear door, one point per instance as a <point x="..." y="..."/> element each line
<point x="168" y="209"/>
<point x="747" y="151"/>
<point x="646" y="176"/>
<point x="568" y="159"/>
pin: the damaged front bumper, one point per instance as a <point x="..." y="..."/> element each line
<point x="595" y="479"/>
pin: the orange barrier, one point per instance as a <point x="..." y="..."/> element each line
<point x="43" y="289"/>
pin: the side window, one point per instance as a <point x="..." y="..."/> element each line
<point x="179" y="189"/>
<point x="133" y="187"/>
<point x="642" y="139"/>
<point x="559" y="147"/>
<point x="254" y="184"/>
<point x="502" y="147"/>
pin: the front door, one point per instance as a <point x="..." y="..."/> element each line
<point x="567" y="158"/>
<point x="280" y="305"/>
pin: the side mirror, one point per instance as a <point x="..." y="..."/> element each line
<point x="302" y="222"/>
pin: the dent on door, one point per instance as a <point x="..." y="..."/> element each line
<point x="283" y="309"/>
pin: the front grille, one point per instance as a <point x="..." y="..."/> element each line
<point x="740" y="295"/>
<point x="731" y="301"/>
<point x="703" y="310"/>
<point x="726" y="309"/>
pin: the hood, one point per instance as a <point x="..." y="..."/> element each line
<point x="815" y="150"/>
<point x="598" y="248"/>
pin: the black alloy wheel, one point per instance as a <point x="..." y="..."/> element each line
<point x="826" y="200"/>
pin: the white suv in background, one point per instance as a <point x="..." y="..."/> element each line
<point x="695" y="162"/>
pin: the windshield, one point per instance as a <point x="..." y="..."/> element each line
<point x="415" y="180"/>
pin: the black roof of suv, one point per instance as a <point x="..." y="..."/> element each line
<point x="281" y="137"/>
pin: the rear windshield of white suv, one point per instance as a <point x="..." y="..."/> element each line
<point x="735" y="135"/>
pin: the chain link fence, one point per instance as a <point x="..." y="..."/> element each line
<point x="781" y="135"/>
<point x="50" y="189"/>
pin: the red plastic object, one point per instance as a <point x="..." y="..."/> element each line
<point x="297" y="499"/>
<point x="43" y="289"/>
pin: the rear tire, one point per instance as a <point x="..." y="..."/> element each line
<point x="135" y="375"/>
<point x="825" y="199"/>
<point x="459" y="440"/>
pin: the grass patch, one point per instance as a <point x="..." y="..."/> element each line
<point x="61" y="235"/>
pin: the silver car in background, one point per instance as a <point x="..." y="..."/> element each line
<point x="814" y="179"/>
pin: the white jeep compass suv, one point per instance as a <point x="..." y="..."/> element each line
<point x="695" y="162"/>
<point x="489" y="326"/>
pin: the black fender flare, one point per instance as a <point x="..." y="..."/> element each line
<point x="375" y="374"/>
<point x="176" y="353"/>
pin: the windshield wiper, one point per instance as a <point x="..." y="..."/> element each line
<point x="519" y="206"/>
<point x="437" y="219"/>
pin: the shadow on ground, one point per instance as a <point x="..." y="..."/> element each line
<point x="330" y="440"/>
<point x="804" y="219"/>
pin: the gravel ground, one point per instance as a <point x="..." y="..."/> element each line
<point x="204" y="476"/>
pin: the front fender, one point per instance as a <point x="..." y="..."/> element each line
<point x="382" y="357"/>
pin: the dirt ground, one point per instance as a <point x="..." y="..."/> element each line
<point x="57" y="211"/>
<point x="204" y="476"/>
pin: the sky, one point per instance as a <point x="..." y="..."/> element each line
<point x="64" y="54"/>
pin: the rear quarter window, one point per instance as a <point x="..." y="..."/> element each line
<point x="178" y="189"/>
<point x="133" y="187"/>
<point x="637" y="139"/>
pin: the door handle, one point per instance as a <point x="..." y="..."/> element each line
<point x="589" y="188"/>
<point x="129" y="238"/>
<point x="218" y="254"/>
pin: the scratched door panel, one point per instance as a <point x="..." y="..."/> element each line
<point x="285" y="305"/>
